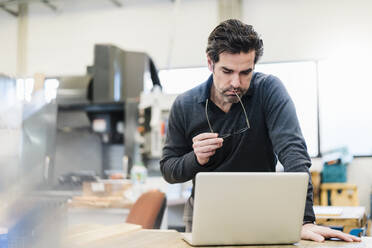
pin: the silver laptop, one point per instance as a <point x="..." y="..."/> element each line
<point x="235" y="208"/>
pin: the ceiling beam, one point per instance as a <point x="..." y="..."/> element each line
<point x="117" y="3"/>
<point x="12" y="12"/>
<point x="50" y="5"/>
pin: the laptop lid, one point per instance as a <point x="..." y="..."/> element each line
<point x="248" y="208"/>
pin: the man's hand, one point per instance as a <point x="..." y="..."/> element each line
<point x="205" y="146"/>
<point x="320" y="233"/>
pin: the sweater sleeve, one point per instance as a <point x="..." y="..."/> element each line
<point x="178" y="163"/>
<point x="286" y="136"/>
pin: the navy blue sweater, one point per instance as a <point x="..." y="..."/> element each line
<point x="274" y="133"/>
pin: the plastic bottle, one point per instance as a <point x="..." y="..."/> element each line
<point x="138" y="176"/>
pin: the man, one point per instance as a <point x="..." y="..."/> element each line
<point x="238" y="120"/>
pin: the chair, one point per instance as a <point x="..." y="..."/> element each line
<point x="341" y="194"/>
<point x="148" y="210"/>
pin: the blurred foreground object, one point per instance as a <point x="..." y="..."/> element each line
<point x="27" y="136"/>
<point x="28" y="222"/>
<point x="27" y="148"/>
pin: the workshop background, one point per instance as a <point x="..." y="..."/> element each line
<point x="86" y="88"/>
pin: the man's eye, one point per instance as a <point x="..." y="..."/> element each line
<point x="245" y="72"/>
<point x="226" y="72"/>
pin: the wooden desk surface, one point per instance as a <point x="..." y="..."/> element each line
<point x="170" y="238"/>
<point x="347" y="212"/>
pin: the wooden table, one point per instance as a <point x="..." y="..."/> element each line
<point x="349" y="218"/>
<point x="173" y="239"/>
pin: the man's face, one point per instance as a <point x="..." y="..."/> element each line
<point x="233" y="72"/>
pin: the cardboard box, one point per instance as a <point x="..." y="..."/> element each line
<point x="106" y="187"/>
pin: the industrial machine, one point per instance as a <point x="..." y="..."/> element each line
<point x="98" y="113"/>
<point x="154" y="111"/>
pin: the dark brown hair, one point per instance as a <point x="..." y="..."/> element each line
<point x="234" y="36"/>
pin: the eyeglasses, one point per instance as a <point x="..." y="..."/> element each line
<point x="229" y="134"/>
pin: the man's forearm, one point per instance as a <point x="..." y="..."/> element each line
<point x="180" y="169"/>
<point x="309" y="210"/>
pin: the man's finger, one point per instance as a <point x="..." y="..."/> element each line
<point x="205" y="155"/>
<point x="343" y="236"/>
<point x="207" y="144"/>
<point x="355" y="238"/>
<point x="204" y="136"/>
<point x="204" y="149"/>
<point x="212" y="141"/>
<point x="331" y="233"/>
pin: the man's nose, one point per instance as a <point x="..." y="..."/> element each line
<point x="235" y="82"/>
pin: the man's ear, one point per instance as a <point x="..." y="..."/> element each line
<point x="210" y="63"/>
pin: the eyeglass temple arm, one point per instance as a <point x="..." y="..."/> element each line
<point x="245" y="113"/>
<point x="206" y="114"/>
